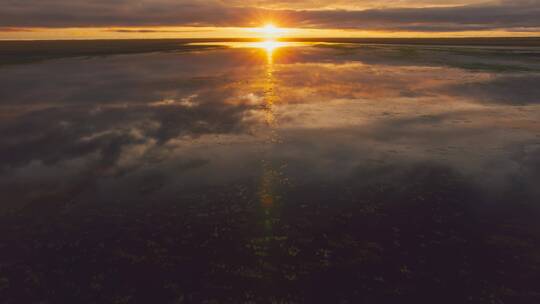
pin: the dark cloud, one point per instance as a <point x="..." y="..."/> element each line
<point x="521" y="15"/>
<point x="146" y="31"/>
<point x="13" y="29"/>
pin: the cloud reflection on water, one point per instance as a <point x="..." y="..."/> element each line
<point x="331" y="114"/>
<point x="292" y="167"/>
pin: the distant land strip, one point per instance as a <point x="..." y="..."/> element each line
<point x="13" y="52"/>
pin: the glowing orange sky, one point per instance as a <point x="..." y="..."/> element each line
<point x="229" y="32"/>
<point x="84" y="19"/>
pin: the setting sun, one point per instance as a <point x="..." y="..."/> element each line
<point x="270" y="31"/>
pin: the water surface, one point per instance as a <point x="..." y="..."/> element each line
<point x="272" y="173"/>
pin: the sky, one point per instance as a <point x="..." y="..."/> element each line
<point x="87" y="19"/>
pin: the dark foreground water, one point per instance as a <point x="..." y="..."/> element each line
<point x="322" y="173"/>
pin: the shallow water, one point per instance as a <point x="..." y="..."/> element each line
<point x="316" y="173"/>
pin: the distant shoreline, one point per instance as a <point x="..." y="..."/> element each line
<point x="510" y="41"/>
<point x="16" y="52"/>
<point x="479" y="41"/>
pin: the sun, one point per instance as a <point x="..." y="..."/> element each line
<point x="270" y="31"/>
<point x="269" y="34"/>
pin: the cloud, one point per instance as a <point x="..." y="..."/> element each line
<point x="470" y="17"/>
<point x="149" y="31"/>
<point x="10" y="30"/>
<point x="427" y="16"/>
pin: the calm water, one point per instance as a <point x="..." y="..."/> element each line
<point x="322" y="173"/>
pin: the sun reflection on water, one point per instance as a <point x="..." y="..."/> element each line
<point x="270" y="46"/>
<point x="270" y="82"/>
<point x="270" y="178"/>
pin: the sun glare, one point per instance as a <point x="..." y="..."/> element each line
<point x="270" y="46"/>
<point x="270" y="31"/>
<point x="270" y="34"/>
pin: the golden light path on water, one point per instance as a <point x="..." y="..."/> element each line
<point x="271" y="179"/>
<point x="269" y="46"/>
<point x="271" y="176"/>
